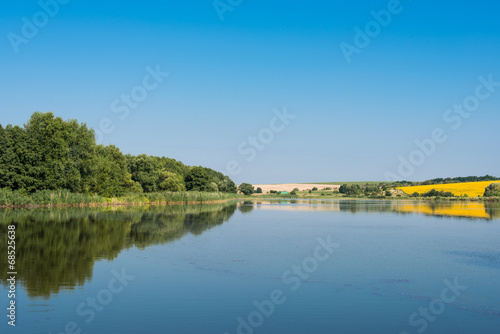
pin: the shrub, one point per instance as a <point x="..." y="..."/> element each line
<point x="492" y="190"/>
<point x="371" y="190"/>
<point x="352" y="190"/>
<point x="435" y="193"/>
<point x="246" y="189"/>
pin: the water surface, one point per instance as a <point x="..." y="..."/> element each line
<point x="257" y="267"/>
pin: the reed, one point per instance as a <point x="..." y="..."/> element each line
<point x="16" y="198"/>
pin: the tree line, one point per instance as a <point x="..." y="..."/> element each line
<point x="461" y="179"/>
<point x="48" y="153"/>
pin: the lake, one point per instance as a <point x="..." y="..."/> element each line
<point x="271" y="266"/>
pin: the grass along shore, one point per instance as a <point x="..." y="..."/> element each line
<point x="47" y="198"/>
<point x="65" y="198"/>
<point x="363" y="197"/>
<point x="396" y="194"/>
<point x="476" y="190"/>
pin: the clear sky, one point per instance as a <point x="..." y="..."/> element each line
<point x="354" y="120"/>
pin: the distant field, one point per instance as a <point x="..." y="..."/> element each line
<point x="471" y="189"/>
<point x="290" y="186"/>
<point x="349" y="183"/>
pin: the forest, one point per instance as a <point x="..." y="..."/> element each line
<point x="462" y="179"/>
<point x="49" y="153"/>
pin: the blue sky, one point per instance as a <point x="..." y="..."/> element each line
<point x="353" y="121"/>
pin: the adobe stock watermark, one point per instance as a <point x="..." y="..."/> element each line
<point x="250" y="148"/>
<point x="223" y="6"/>
<point x="93" y="305"/>
<point x="371" y="30"/>
<point x="454" y="117"/>
<point x="127" y="102"/>
<point x="31" y="27"/>
<point x="293" y="278"/>
<point x="420" y="320"/>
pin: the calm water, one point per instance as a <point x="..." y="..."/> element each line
<point x="256" y="267"/>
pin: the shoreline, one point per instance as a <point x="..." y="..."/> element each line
<point x="97" y="205"/>
<point x="427" y="199"/>
<point x="116" y="202"/>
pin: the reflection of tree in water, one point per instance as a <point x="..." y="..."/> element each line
<point x="354" y="206"/>
<point x="493" y="209"/>
<point x="161" y="227"/>
<point x="456" y="209"/>
<point x="246" y="206"/>
<point x="56" y="249"/>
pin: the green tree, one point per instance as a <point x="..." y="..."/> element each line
<point x="227" y="185"/>
<point x="197" y="179"/>
<point x="19" y="160"/>
<point x="11" y="169"/>
<point x="492" y="190"/>
<point x="49" y="153"/>
<point x="351" y="190"/>
<point x="212" y="187"/>
<point x="172" y="165"/>
<point x="66" y="152"/>
<point x="171" y="182"/>
<point x="259" y="190"/>
<point x="143" y="169"/>
<point x="5" y="157"/>
<point x="371" y="190"/>
<point x="435" y="193"/>
<point x="111" y="176"/>
<point x="246" y="189"/>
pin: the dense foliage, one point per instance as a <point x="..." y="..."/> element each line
<point x="350" y="190"/>
<point x="436" y="193"/>
<point x="48" y="153"/>
<point x="492" y="190"/>
<point x="460" y="179"/>
<point x="246" y="189"/>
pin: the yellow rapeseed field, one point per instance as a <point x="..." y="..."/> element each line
<point x="471" y="189"/>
